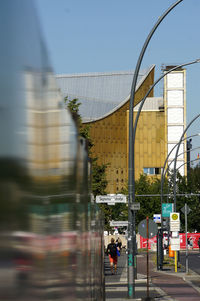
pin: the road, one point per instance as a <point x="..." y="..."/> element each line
<point x="193" y="260"/>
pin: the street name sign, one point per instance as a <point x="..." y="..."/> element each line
<point x="119" y="223"/>
<point x="111" y="199"/>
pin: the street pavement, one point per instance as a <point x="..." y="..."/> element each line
<point x="163" y="285"/>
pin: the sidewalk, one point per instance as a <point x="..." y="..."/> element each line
<point x="164" y="285"/>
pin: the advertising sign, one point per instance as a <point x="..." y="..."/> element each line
<point x="152" y="242"/>
<point x="192" y="238"/>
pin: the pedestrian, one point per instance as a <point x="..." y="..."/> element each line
<point x="119" y="244"/>
<point x="191" y="243"/>
<point x="199" y="243"/>
<point x="188" y="243"/>
<point x="112" y="252"/>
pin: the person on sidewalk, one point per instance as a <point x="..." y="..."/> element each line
<point x="119" y="244"/>
<point x="191" y="243"/>
<point x="112" y="252"/>
<point x="199" y="243"/>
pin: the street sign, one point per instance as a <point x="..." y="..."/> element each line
<point x="174" y="221"/>
<point x="142" y="228"/>
<point x="175" y="217"/>
<point x="167" y="208"/>
<point x="119" y="223"/>
<point x="135" y="206"/>
<point x="186" y="209"/>
<point x="175" y="244"/>
<point x="111" y="199"/>
<point x="157" y="218"/>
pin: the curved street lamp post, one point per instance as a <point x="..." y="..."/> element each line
<point x="131" y="172"/>
<point x="134" y="138"/>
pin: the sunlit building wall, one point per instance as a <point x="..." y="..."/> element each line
<point x="107" y="112"/>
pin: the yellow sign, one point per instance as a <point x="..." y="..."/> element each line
<point x="174" y="216"/>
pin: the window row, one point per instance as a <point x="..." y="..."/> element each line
<point x="152" y="170"/>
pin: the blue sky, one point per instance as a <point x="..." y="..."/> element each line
<point x="108" y="35"/>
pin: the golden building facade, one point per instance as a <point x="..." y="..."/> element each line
<point x="110" y="125"/>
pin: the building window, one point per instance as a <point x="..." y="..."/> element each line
<point x="152" y="170"/>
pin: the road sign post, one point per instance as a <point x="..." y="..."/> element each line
<point x="147" y="229"/>
<point x="175" y="228"/>
<point x="186" y="210"/>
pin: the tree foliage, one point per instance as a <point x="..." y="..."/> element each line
<point x="189" y="186"/>
<point x="99" y="182"/>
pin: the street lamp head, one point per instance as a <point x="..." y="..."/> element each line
<point x="198" y="61"/>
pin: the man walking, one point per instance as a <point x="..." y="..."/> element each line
<point x="112" y="252"/>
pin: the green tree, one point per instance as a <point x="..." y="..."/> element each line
<point x="188" y="186"/>
<point x="99" y="182"/>
<point x="149" y="205"/>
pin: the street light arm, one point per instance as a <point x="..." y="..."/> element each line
<point x="131" y="177"/>
<point x="197" y="159"/>
<point x="167" y="169"/>
<point x="177" y="150"/>
<point x="178" y="169"/>
<point x="165" y="163"/>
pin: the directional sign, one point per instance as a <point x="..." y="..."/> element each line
<point x="167" y="208"/>
<point x="119" y="223"/>
<point x="111" y="199"/>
